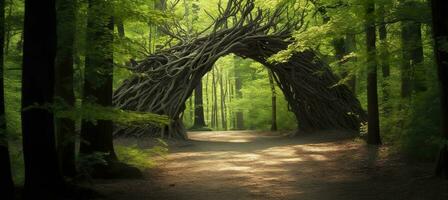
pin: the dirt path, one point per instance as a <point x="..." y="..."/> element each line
<point x="254" y="165"/>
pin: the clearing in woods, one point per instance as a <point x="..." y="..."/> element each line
<point x="234" y="165"/>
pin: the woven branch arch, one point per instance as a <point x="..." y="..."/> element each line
<point x="165" y="80"/>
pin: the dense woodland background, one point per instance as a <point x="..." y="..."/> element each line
<point x="383" y="50"/>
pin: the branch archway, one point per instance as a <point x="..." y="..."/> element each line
<point x="164" y="81"/>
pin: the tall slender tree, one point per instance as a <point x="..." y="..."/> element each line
<point x="6" y="182"/>
<point x="43" y="179"/>
<point x="64" y="94"/>
<point x="412" y="76"/>
<point x="373" y="136"/>
<point x="440" y="31"/>
<point x="97" y="137"/>
<point x="238" y="86"/>
<point x="223" y="100"/>
<point x="273" y="101"/>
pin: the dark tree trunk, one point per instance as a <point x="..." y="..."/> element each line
<point x="199" y="119"/>
<point x="64" y="94"/>
<point x="98" y="79"/>
<point x="120" y="27"/>
<point x="373" y="136"/>
<point x="207" y="113"/>
<point x="238" y="86"/>
<point x="273" y="101"/>
<point x="6" y="183"/>
<point x="440" y="31"/>
<point x="412" y="72"/>
<point x="42" y="175"/>
<point x="350" y="47"/>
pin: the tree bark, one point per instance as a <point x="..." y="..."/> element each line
<point x="43" y="179"/>
<point x="199" y="119"/>
<point x="6" y="182"/>
<point x="440" y="31"/>
<point x="98" y="79"/>
<point x="373" y="136"/>
<point x="64" y="94"/>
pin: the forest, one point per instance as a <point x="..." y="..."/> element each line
<point x="224" y="99"/>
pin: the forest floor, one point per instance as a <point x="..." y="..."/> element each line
<point x="236" y="165"/>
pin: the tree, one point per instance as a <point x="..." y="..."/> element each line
<point x="64" y="94"/>
<point x="238" y="86"/>
<point x="223" y="100"/>
<point x="412" y="50"/>
<point x="440" y="31"/>
<point x="120" y="27"/>
<point x="6" y="182"/>
<point x="43" y="179"/>
<point x="274" y="101"/>
<point x="373" y="136"/>
<point x="199" y="119"/>
<point x="97" y="136"/>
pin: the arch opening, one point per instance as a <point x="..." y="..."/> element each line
<point x="165" y="80"/>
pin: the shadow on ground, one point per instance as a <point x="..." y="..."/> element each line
<point x="263" y="165"/>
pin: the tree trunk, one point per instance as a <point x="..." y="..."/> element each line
<point x="373" y="136"/>
<point x="43" y="179"/>
<point x="8" y="30"/>
<point x="199" y="119"/>
<point x="440" y="31"/>
<point x="274" y="102"/>
<point x="239" y="94"/>
<point x="207" y="112"/>
<point x="215" y="99"/>
<point x="190" y="109"/>
<point x="98" y="79"/>
<point x="6" y="182"/>
<point x="350" y="47"/>
<point x="120" y="27"/>
<point x="64" y="94"/>
<point x="223" y="101"/>
<point x="412" y="72"/>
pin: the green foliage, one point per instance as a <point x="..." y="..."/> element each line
<point x="142" y="158"/>
<point x="92" y="112"/>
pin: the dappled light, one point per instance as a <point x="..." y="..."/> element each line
<point x="223" y="99"/>
<point x="263" y="165"/>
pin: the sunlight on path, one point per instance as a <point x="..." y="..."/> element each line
<point x="236" y="165"/>
<point x="251" y="165"/>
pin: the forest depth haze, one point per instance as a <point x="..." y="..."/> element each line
<point x="224" y="99"/>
